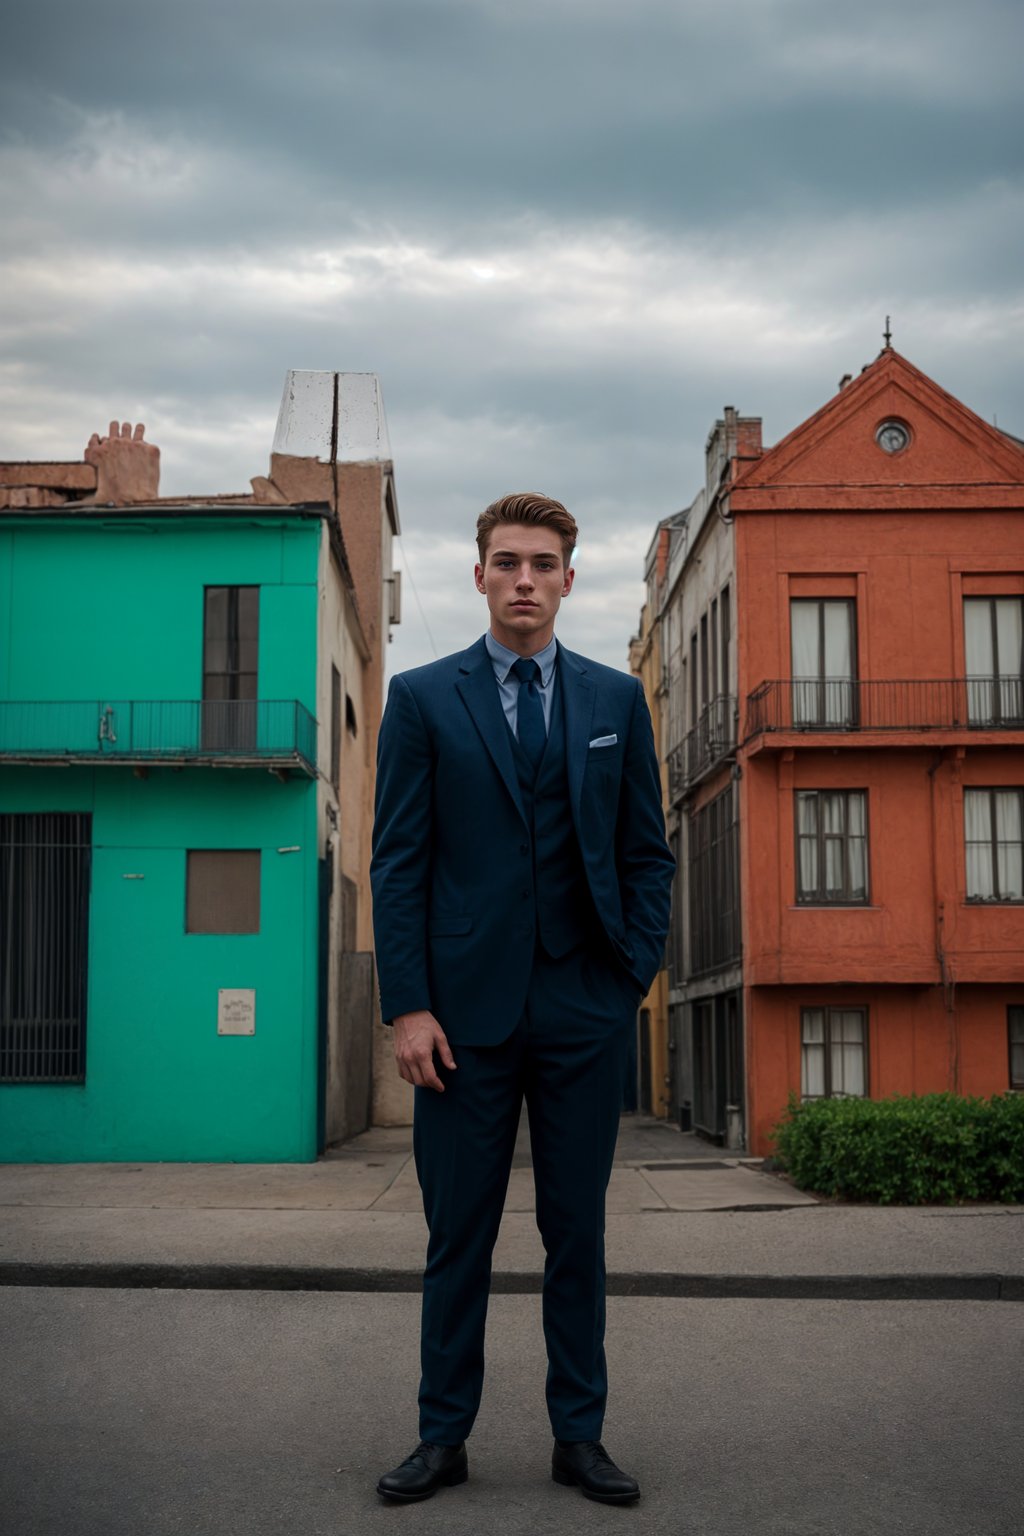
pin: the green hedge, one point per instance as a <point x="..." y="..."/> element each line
<point x="938" y="1149"/>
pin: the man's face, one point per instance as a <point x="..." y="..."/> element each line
<point x="524" y="581"/>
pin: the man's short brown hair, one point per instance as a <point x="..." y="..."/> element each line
<point x="532" y="508"/>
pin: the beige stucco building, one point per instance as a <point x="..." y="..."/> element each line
<point x="332" y="444"/>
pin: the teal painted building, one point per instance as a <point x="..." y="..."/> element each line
<point x="181" y="843"/>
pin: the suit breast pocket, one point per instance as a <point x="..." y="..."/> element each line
<point x="604" y="764"/>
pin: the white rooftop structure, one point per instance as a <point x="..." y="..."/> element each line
<point x="335" y="417"/>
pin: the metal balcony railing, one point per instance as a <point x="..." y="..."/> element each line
<point x="917" y="704"/>
<point x="676" y="772"/>
<point x="712" y="738"/>
<point x="275" y="733"/>
<point x="710" y="741"/>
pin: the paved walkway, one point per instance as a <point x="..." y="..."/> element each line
<point x="684" y="1219"/>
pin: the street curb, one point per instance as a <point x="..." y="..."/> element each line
<point x="290" y="1277"/>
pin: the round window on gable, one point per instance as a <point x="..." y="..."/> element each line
<point x="893" y="436"/>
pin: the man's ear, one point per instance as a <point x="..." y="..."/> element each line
<point x="570" y="577"/>
<point x="478" y="577"/>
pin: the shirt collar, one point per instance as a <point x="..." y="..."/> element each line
<point x="503" y="660"/>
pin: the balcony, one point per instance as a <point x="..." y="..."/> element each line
<point x="676" y="772"/>
<point x="841" y="707"/>
<point x="701" y="750"/>
<point x="236" y="733"/>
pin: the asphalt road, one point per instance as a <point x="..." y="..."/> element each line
<point x="141" y="1413"/>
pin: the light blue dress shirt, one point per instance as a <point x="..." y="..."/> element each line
<point x="503" y="660"/>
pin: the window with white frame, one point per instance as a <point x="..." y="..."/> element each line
<point x="832" y="847"/>
<point x="833" y="1053"/>
<point x="823" y="642"/>
<point x="994" y="652"/>
<point x="993" y="829"/>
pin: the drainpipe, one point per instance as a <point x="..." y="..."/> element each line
<point x="948" y="975"/>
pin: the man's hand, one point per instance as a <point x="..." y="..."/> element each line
<point x="417" y="1037"/>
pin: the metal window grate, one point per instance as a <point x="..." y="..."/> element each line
<point x="223" y="890"/>
<point x="714" y="911"/>
<point x="44" y="915"/>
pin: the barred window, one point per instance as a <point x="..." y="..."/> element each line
<point x="714" y="907"/>
<point x="44" y="920"/>
<point x="832" y="846"/>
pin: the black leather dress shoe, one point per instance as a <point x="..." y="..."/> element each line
<point x="429" y="1468"/>
<point x="587" y="1463"/>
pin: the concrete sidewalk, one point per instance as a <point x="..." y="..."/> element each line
<point x="684" y="1219"/>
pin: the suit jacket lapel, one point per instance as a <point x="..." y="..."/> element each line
<point x="479" y="693"/>
<point x="580" y="697"/>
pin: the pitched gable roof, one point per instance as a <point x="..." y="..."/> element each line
<point x="833" y="459"/>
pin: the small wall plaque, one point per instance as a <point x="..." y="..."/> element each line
<point x="236" y="1011"/>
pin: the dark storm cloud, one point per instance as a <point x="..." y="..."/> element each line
<point x="564" y="234"/>
<point x="455" y="113"/>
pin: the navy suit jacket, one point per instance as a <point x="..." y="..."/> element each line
<point x="450" y="835"/>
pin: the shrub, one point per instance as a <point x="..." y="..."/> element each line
<point x="938" y="1148"/>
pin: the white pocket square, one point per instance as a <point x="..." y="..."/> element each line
<point x="604" y="741"/>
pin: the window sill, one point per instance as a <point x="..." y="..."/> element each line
<point x="825" y="1098"/>
<point x="834" y="906"/>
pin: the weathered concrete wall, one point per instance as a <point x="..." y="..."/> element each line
<point x="331" y="445"/>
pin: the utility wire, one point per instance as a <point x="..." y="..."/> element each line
<point x="407" y="568"/>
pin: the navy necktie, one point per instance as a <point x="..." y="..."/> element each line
<point x="530" y="726"/>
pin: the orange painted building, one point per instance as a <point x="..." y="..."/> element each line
<point x="879" y="673"/>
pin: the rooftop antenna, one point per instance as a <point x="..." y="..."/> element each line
<point x="887" y="333"/>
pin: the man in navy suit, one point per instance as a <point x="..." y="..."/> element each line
<point x="521" y="885"/>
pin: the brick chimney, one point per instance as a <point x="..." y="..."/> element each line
<point x="733" y="437"/>
<point x="117" y="470"/>
<point x="748" y="437"/>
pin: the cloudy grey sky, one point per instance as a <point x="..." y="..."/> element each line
<point x="565" y="233"/>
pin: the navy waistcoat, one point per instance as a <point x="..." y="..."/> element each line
<point x="562" y="900"/>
